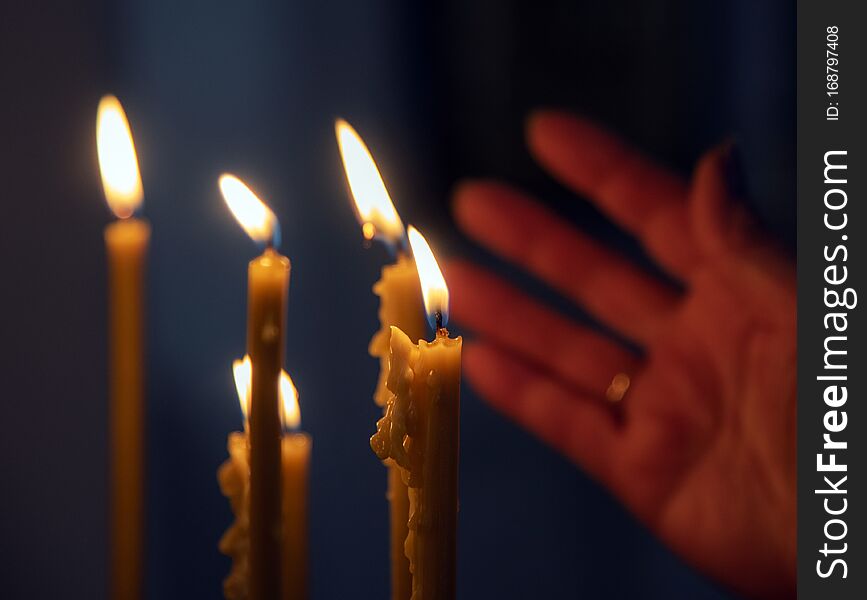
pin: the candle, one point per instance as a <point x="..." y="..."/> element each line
<point x="296" y="461"/>
<point x="126" y="242"/>
<point x="420" y="432"/>
<point x="296" y="446"/>
<point x="234" y="479"/>
<point x="267" y="287"/>
<point x="400" y="304"/>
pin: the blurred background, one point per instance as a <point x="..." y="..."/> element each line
<point x="439" y="91"/>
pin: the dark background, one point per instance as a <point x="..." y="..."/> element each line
<point x="439" y="94"/>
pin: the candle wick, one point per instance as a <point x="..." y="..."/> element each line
<point x="441" y="331"/>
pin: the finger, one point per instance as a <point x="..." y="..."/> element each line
<point x="579" y="427"/>
<point x="610" y="287"/>
<point x="733" y="243"/>
<point x="719" y="226"/>
<point x="491" y="307"/>
<point x="644" y="198"/>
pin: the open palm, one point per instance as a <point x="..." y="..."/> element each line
<point x="702" y="446"/>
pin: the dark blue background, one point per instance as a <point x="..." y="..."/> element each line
<point x="438" y="93"/>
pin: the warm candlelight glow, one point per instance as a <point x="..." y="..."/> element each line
<point x="253" y="215"/>
<point x="434" y="290"/>
<point x="373" y="205"/>
<point x="118" y="164"/>
<point x="243" y="372"/>
<point x="290" y="412"/>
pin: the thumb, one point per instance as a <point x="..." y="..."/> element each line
<point x="730" y="239"/>
<point x="720" y="225"/>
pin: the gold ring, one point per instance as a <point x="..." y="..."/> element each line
<point x="617" y="388"/>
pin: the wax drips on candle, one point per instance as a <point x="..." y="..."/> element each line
<point x="398" y="307"/>
<point x="234" y="479"/>
<point x="392" y="439"/>
<point x="399" y="439"/>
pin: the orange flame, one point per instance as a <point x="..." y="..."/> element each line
<point x="118" y="165"/>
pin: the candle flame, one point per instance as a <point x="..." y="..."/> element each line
<point x="434" y="290"/>
<point x="243" y="372"/>
<point x="255" y="217"/>
<point x="373" y="206"/>
<point x="118" y="164"/>
<point x="290" y="412"/>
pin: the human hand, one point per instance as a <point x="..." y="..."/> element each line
<point x="702" y="447"/>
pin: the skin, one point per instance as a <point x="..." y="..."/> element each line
<point x="702" y="447"/>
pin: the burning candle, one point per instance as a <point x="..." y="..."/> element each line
<point x="420" y="432"/>
<point x="296" y="447"/>
<point x="126" y="242"/>
<point x="400" y="305"/>
<point x="234" y="479"/>
<point x="267" y="287"/>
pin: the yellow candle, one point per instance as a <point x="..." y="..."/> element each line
<point x="400" y="305"/>
<point x="234" y="479"/>
<point x="296" y="446"/>
<point x="296" y="460"/>
<point x="126" y="243"/>
<point x="420" y="432"/>
<point x="267" y="286"/>
<point x="267" y="289"/>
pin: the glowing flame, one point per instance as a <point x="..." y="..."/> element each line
<point x="118" y="164"/>
<point x="373" y="205"/>
<point x="434" y="290"/>
<point x="243" y="371"/>
<point x="253" y="215"/>
<point x="290" y="412"/>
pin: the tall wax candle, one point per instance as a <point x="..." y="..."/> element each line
<point x="267" y="286"/>
<point x="400" y="304"/>
<point x="425" y="382"/>
<point x="296" y="447"/>
<point x="234" y="479"/>
<point x="296" y="460"/>
<point x="268" y="279"/>
<point x="420" y="432"/>
<point x="126" y="243"/>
